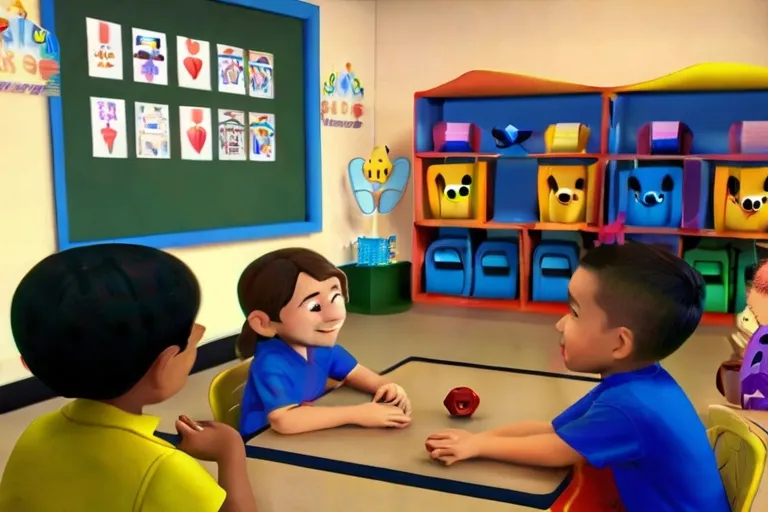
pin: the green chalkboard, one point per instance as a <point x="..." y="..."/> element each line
<point x="135" y="198"/>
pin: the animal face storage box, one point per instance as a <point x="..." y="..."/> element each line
<point x="740" y="196"/>
<point x="452" y="190"/>
<point x="652" y="196"/>
<point x="562" y="191"/>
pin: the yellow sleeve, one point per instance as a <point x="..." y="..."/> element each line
<point x="180" y="483"/>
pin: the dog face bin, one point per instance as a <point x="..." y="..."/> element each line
<point x="754" y="372"/>
<point x="563" y="193"/>
<point x="451" y="191"/>
<point x="740" y="198"/>
<point x="654" y="197"/>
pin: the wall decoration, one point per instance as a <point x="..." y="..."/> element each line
<point x="342" y="100"/>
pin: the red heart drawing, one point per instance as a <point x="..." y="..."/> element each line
<point x="193" y="66"/>
<point x="193" y="47"/>
<point x="197" y="136"/>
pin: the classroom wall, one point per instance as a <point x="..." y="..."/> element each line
<point x="424" y="43"/>
<point x="27" y="223"/>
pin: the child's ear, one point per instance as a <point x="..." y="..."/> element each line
<point x="261" y="324"/>
<point x="158" y="372"/>
<point x="625" y="344"/>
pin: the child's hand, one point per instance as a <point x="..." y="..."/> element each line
<point x="209" y="440"/>
<point x="451" y="434"/>
<point x="392" y="394"/>
<point x="453" y="449"/>
<point x="374" y="415"/>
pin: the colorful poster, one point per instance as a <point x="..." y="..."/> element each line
<point x="342" y="104"/>
<point x="230" y="64"/>
<point x="232" y="130"/>
<point x="153" y="132"/>
<point x="193" y="63"/>
<point x="261" y="74"/>
<point x="150" y="57"/>
<point x="262" y="137"/>
<point x="108" y="128"/>
<point x="105" y="49"/>
<point x="195" y="124"/>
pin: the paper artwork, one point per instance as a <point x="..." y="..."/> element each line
<point x="230" y="63"/>
<point x="232" y="135"/>
<point x="105" y="49"/>
<point x="150" y="57"/>
<point x="262" y="137"/>
<point x="261" y="72"/>
<point x="108" y="128"/>
<point x="195" y="124"/>
<point x="153" y="132"/>
<point x="193" y="63"/>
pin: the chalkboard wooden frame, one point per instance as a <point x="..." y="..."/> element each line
<point x="310" y="16"/>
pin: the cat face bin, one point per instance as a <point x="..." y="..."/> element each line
<point x="654" y="197"/>
<point x="754" y="372"/>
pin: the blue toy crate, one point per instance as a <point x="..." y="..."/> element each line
<point x="373" y="252"/>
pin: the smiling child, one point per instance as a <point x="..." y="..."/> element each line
<point x="294" y="300"/>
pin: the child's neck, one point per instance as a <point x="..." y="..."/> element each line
<point x="625" y="367"/>
<point x="127" y="403"/>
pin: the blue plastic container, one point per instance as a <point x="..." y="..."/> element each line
<point x="448" y="267"/>
<point x="554" y="262"/>
<point x="496" y="270"/>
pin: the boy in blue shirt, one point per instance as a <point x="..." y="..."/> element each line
<point x="294" y="300"/>
<point x="630" y="307"/>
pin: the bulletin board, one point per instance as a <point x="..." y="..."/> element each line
<point x="162" y="136"/>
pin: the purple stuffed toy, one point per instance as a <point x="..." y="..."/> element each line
<point x="754" y="372"/>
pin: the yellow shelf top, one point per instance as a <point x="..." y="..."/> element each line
<point x="715" y="76"/>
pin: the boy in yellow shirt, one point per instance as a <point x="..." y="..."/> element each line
<point x="113" y="326"/>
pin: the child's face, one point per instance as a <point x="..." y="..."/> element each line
<point x="315" y="313"/>
<point x="588" y="344"/>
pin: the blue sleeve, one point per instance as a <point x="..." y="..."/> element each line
<point x="342" y="362"/>
<point x="274" y="384"/>
<point x="574" y="412"/>
<point x="605" y="435"/>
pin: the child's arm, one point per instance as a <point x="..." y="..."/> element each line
<point x="308" y="418"/>
<point x="546" y="450"/>
<point x="521" y="429"/>
<point x="365" y="380"/>
<point x="233" y="478"/>
<point x="297" y="420"/>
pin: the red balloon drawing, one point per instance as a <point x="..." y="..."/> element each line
<point x="193" y="65"/>
<point x="109" y="135"/>
<point x="197" y="133"/>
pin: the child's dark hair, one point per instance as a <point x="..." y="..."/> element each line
<point x="649" y="290"/>
<point x="267" y="285"/>
<point x="89" y="322"/>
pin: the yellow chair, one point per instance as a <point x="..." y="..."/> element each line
<point x="226" y="393"/>
<point x="740" y="450"/>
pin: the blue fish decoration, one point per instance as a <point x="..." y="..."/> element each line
<point x="510" y="136"/>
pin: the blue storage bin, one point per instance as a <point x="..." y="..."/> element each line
<point x="652" y="196"/>
<point x="554" y="262"/>
<point x="448" y="267"/>
<point x="496" y="270"/>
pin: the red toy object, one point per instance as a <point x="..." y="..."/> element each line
<point x="461" y="402"/>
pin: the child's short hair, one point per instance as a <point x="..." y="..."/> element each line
<point x="90" y="321"/>
<point x="649" y="290"/>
